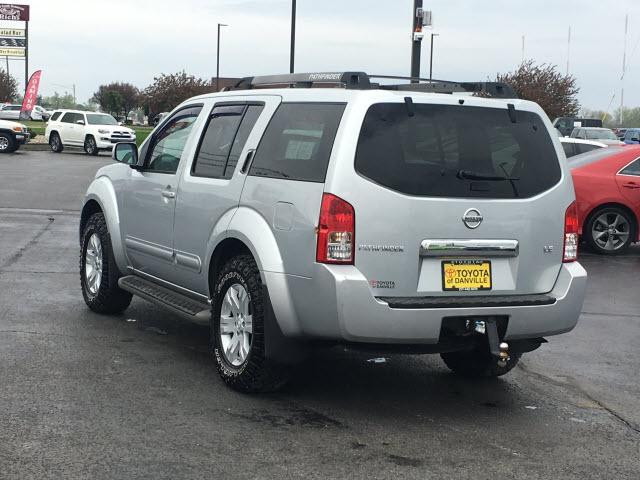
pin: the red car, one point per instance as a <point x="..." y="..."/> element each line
<point x="607" y="184"/>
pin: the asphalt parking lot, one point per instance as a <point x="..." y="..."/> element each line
<point x="137" y="396"/>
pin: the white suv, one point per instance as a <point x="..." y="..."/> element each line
<point x="94" y="131"/>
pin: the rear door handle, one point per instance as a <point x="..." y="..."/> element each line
<point x="167" y="193"/>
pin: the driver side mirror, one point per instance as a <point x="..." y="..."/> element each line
<point x="126" y="152"/>
<point x="80" y="122"/>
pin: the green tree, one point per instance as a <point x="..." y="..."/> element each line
<point x="169" y="90"/>
<point x="117" y="98"/>
<point x="8" y="87"/>
<point x="56" y="101"/>
<point x="555" y="92"/>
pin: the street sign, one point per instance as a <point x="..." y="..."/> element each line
<point x="12" y="32"/>
<point x="10" y="11"/>
<point x="12" y="52"/>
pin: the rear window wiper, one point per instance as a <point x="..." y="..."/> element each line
<point x="471" y="175"/>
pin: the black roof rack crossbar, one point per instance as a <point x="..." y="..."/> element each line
<point x="362" y="81"/>
<point x="351" y="80"/>
<point x="491" y="89"/>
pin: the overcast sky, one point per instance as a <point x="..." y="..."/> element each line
<point x="90" y="42"/>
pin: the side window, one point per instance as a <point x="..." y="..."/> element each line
<point x="585" y="147"/>
<point x="167" y="145"/>
<point x="298" y="142"/>
<point x="55" y="115"/>
<point x="632" y="169"/>
<point x="68" y="117"/>
<point x="246" y="126"/>
<point x="568" y="149"/>
<point x="213" y="152"/>
<point x="80" y="117"/>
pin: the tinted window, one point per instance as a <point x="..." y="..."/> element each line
<point x="168" y="144"/>
<point x="632" y="169"/>
<point x="250" y="118"/>
<point x="568" y="149"/>
<point x="69" y="118"/>
<point x="55" y="115"/>
<point x="454" y="151"/>
<point x="298" y="142"/>
<point x="216" y="142"/>
<point x="584" y="148"/>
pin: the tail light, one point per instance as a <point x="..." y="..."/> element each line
<point x="570" y="249"/>
<point x="336" y="231"/>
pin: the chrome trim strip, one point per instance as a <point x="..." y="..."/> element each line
<point x="469" y="248"/>
<point x="189" y="261"/>
<point x="172" y="286"/>
<point x="149" y="248"/>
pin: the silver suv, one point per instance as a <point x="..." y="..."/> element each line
<point x="392" y="217"/>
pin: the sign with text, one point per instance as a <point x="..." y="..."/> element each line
<point x="10" y="11"/>
<point x="11" y="52"/>
<point x="12" y="32"/>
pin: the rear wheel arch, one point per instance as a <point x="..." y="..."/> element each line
<point x="225" y="251"/>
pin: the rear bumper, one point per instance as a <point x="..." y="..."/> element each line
<point x="337" y="304"/>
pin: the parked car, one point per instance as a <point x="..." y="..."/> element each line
<point x="158" y="118"/>
<point x="567" y="124"/>
<point x="12" y="136"/>
<point x="10" y="112"/>
<point x="620" y="132"/>
<point x="604" y="135"/>
<point x="94" y="131"/>
<point x="576" y="146"/>
<point x="607" y="184"/>
<point x="421" y="222"/>
<point x="632" y="136"/>
<point x="40" y="114"/>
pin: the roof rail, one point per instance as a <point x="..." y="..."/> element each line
<point x="351" y="80"/>
<point x="362" y="81"/>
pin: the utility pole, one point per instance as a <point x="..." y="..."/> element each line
<point x="218" y="58"/>
<point x="568" y="50"/>
<point x="431" y="57"/>
<point x="522" y="48"/>
<point x="416" y="39"/>
<point x="292" y="53"/>
<point x="624" y="68"/>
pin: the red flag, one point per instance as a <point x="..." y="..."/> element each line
<point x="30" y="95"/>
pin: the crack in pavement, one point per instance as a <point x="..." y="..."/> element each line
<point x="573" y="383"/>
<point x="16" y="256"/>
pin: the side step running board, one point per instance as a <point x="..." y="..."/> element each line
<point x="178" y="303"/>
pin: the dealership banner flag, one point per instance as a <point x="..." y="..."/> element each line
<point x="30" y="95"/>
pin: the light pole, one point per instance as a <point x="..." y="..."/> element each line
<point x="431" y="57"/>
<point x="292" y="53"/>
<point x="218" y="58"/>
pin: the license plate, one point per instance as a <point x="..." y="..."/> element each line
<point x="466" y="275"/>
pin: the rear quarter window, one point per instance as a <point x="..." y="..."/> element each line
<point x="298" y="141"/>
<point x="456" y="151"/>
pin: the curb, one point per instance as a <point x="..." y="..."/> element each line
<point x="35" y="147"/>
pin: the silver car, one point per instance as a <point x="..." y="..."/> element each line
<point x="380" y="216"/>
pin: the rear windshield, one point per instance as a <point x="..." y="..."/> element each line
<point x="456" y="151"/>
<point x="601" y="134"/>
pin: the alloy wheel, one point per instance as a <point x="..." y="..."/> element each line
<point x="610" y="231"/>
<point x="93" y="264"/>
<point x="236" y="325"/>
<point x="4" y="143"/>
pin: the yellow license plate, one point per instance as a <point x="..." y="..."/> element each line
<point x="466" y="275"/>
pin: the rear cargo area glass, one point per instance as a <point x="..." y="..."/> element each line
<point x="456" y="151"/>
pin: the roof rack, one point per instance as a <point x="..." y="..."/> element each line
<point x="362" y="81"/>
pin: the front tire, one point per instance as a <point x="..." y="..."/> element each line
<point x="237" y="329"/>
<point x="55" y="142"/>
<point x="98" y="270"/>
<point x="90" y="146"/>
<point x="7" y="143"/>
<point x="609" y="231"/>
<point x="478" y="363"/>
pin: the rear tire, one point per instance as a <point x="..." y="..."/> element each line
<point x="478" y="363"/>
<point x="609" y="231"/>
<point x="55" y="142"/>
<point x="98" y="270"/>
<point x="237" y="330"/>
<point x="7" y="143"/>
<point x="90" y="146"/>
